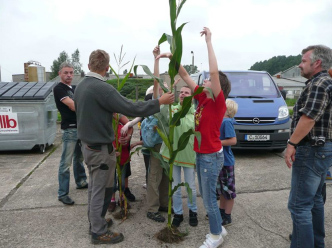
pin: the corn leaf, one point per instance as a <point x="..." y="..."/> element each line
<point x="175" y="62"/>
<point x="187" y="101"/>
<point x="126" y="77"/>
<point x="190" y="194"/>
<point x="199" y="138"/>
<point x="180" y="7"/>
<point x="163" y="164"/>
<point x="165" y="37"/>
<point x="182" y="143"/>
<point x="148" y="72"/>
<point x="117" y="76"/>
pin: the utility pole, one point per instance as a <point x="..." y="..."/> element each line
<point x="192" y="66"/>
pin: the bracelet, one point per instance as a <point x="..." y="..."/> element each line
<point x="291" y="143"/>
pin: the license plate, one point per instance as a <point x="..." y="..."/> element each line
<point x="256" y="137"/>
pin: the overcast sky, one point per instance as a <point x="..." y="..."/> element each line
<point x="243" y="31"/>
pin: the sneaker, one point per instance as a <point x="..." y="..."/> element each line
<point x="211" y="243"/>
<point x="223" y="232"/>
<point x="107" y="238"/>
<point x="227" y="220"/>
<point x="66" y="200"/>
<point x="193" y="218"/>
<point x="156" y="216"/>
<point x="84" y="185"/>
<point x="177" y="219"/>
<point x="129" y="195"/>
<point x="112" y="206"/>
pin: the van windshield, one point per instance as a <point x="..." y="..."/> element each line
<point x="251" y="85"/>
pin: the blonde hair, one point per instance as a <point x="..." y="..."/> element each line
<point x="232" y="108"/>
<point x="99" y="60"/>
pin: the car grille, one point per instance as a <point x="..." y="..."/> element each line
<point x="255" y="131"/>
<point x="256" y="120"/>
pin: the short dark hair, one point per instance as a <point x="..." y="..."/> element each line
<point x="224" y="84"/>
<point x="148" y="97"/>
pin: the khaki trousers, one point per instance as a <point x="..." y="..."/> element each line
<point x="157" y="189"/>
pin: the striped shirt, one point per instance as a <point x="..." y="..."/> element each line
<point x="315" y="102"/>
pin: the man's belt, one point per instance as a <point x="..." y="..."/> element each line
<point x="98" y="147"/>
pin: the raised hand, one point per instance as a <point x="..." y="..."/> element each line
<point x="206" y="31"/>
<point x="156" y="51"/>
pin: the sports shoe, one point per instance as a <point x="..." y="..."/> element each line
<point x="193" y="218"/>
<point x="212" y="243"/>
<point x="112" y="206"/>
<point x="84" y="185"/>
<point x="66" y="200"/>
<point x="107" y="238"/>
<point x="226" y="220"/>
<point x="155" y="216"/>
<point x="129" y="195"/>
<point x="177" y="219"/>
<point x="223" y="232"/>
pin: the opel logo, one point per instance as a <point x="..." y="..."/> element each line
<point x="255" y="120"/>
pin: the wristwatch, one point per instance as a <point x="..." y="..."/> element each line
<point x="291" y="143"/>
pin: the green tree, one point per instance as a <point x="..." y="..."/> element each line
<point x="75" y="60"/>
<point x="276" y="64"/>
<point x="189" y="69"/>
<point x="56" y="64"/>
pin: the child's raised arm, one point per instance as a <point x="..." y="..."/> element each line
<point x="213" y="65"/>
<point x="182" y="72"/>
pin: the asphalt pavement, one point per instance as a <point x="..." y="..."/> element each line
<point x="32" y="216"/>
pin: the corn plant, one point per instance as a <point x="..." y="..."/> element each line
<point x="115" y="124"/>
<point x="166" y="121"/>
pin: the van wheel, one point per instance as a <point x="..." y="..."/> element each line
<point x="41" y="149"/>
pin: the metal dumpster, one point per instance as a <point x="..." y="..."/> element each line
<point x="28" y="116"/>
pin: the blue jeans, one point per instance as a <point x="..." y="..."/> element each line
<point x="71" y="152"/>
<point x="305" y="199"/>
<point x="189" y="177"/>
<point x="208" y="167"/>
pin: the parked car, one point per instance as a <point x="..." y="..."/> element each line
<point x="262" y="120"/>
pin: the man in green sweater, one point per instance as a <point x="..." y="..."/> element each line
<point x="95" y="103"/>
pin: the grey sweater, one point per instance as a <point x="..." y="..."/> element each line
<point x="96" y="101"/>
